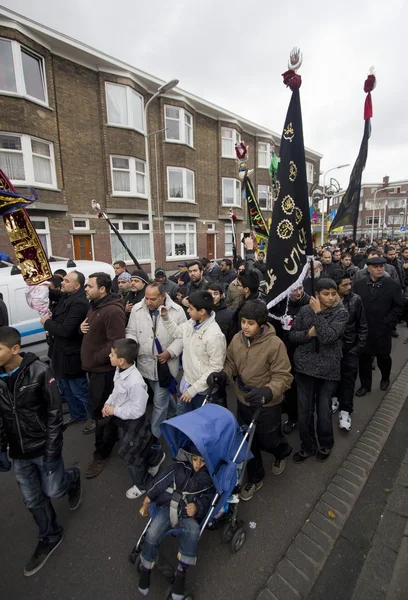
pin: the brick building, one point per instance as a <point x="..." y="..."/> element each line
<point x="72" y="126"/>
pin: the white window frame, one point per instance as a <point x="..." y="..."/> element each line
<point x="238" y="193"/>
<point x="235" y="139"/>
<point x="21" y="89"/>
<point x="129" y="115"/>
<point x="377" y="220"/>
<point x="309" y="172"/>
<point x="27" y="153"/>
<point x="133" y="173"/>
<point x="228" y="231"/>
<point x="141" y="231"/>
<point x="184" y="173"/>
<point x="45" y="231"/>
<point x="263" y="153"/>
<point x="191" y="229"/>
<point x="79" y="228"/>
<point x="182" y="125"/>
<point x="268" y="191"/>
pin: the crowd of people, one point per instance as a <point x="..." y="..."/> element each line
<point x="179" y="339"/>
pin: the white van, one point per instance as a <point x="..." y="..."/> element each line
<point x="24" y="318"/>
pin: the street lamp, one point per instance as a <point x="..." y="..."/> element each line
<point x="375" y="198"/>
<point x="324" y="193"/>
<point x="162" y="90"/>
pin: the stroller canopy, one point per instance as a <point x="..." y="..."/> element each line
<point x="216" y="434"/>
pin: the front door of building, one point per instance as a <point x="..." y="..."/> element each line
<point x="83" y="247"/>
<point x="210" y="246"/>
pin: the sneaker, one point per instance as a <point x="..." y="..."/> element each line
<point x="134" y="492"/>
<point x="249" y="490"/>
<point x="323" y="454"/>
<point x="278" y="466"/>
<point x="75" y="493"/>
<point x="96" y="467"/>
<point x="288" y="427"/>
<point x="345" y="420"/>
<point x="41" y="555"/>
<point x="89" y="427"/>
<point x="301" y="456"/>
<point x="144" y="582"/>
<point x="154" y="470"/>
<point x="335" y="405"/>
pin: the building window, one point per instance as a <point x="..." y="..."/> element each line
<point x="42" y="228"/>
<point x="229" y="137"/>
<point x="136" y="236"/>
<point x="265" y="197"/>
<point x="22" y="71"/>
<point x="128" y="176"/>
<point x="124" y="106"/>
<point x="231" y="192"/>
<point x="180" y="185"/>
<point x="80" y="224"/>
<point x="396" y="203"/>
<point x="179" y="125"/>
<point x="264" y="155"/>
<point x="309" y="172"/>
<point x="377" y="220"/>
<point x="229" y="240"/>
<point x="27" y="161"/>
<point x="181" y="239"/>
<point x="395" y="219"/>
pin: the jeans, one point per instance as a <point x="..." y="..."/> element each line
<point x="347" y="383"/>
<point x="190" y="533"/>
<point x="75" y="393"/>
<point x="38" y="487"/>
<point x="162" y="400"/>
<point x="366" y="373"/>
<point x="186" y="407"/>
<point x="315" y="394"/>
<point x="100" y="386"/>
<point x="268" y="437"/>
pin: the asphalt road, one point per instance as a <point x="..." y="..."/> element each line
<point x="92" y="564"/>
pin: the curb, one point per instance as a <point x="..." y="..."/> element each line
<point x="298" y="570"/>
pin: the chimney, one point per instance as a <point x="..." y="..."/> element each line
<point x="386" y="180"/>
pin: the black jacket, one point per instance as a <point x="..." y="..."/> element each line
<point x="261" y="266"/>
<point x="355" y="334"/>
<point x="397" y="264"/>
<point x="327" y="270"/>
<point x="31" y="417"/>
<point x="192" y="287"/>
<point x="213" y="272"/>
<point x="65" y="335"/>
<point x="226" y="277"/>
<point x="223" y="316"/>
<point x="292" y="308"/>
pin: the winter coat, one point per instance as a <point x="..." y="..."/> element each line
<point x="389" y="271"/>
<point x="227" y="277"/>
<point x="106" y="320"/>
<point x="383" y="307"/>
<point x="327" y="270"/>
<point x="213" y="272"/>
<point x="196" y="486"/>
<point x="397" y="264"/>
<point x="31" y="417"/>
<point x="223" y="316"/>
<point x="204" y="350"/>
<point x="261" y="266"/>
<point x="234" y="298"/>
<point x="352" y="269"/>
<point x="170" y="288"/>
<point x="355" y="334"/>
<point x="129" y="395"/>
<point x="140" y="329"/>
<point x="262" y="362"/>
<point x="236" y="319"/>
<point x="65" y="335"/>
<point x="192" y="287"/>
<point x="319" y="356"/>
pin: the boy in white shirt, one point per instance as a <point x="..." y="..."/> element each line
<point x="126" y="406"/>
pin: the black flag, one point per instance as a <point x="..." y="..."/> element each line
<point x="290" y="236"/>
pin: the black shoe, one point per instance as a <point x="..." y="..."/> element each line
<point x="301" y="456"/>
<point x="362" y="392"/>
<point x="179" y="584"/>
<point x="323" y="454"/>
<point x="75" y="493"/>
<point x="288" y="427"/>
<point x="144" y="581"/>
<point x="394" y="334"/>
<point x="41" y="555"/>
<point x="384" y="384"/>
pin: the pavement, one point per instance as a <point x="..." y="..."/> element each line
<point x="92" y="561"/>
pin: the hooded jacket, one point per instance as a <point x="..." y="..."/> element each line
<point x="262" y="362"/>
<point x="140" y="329"/>
<point x="106" y="320"/>
<point x="31" y="416"/>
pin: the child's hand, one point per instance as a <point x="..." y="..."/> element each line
<point x="144" y="511"/>
<point x="186" y="397"/>
<point x="108" y="410"/>
<point x="191" y="509"/>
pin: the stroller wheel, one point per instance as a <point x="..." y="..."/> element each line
<point x="238" y="540"/>
<point x="227" y="533"/>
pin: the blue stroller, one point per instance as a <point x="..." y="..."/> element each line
<point x="216" y="434"/>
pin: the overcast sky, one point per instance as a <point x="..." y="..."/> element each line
<point x="233" y="52"/>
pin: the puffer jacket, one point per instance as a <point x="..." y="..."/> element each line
<point x="262" y="362"/>
<point x="204" y="350"/>
<point x="140" y="329"/>
<point x="31" y="417"/>
<point x="196" y="486"/>
<point x="355" y="334"/>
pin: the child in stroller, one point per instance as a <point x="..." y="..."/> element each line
<point x="182" y="495"/>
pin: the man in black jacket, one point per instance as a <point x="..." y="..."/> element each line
<point x="66" y="341"/>
<point x="227" y="273"/>
<point x="354" y="340"/>
<point x="390" y="255"/>
<point x="197" y="281"/>
<point x="383" y="306"/>
<point x="223" y="315"/>
<point x="31" y="427"/>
